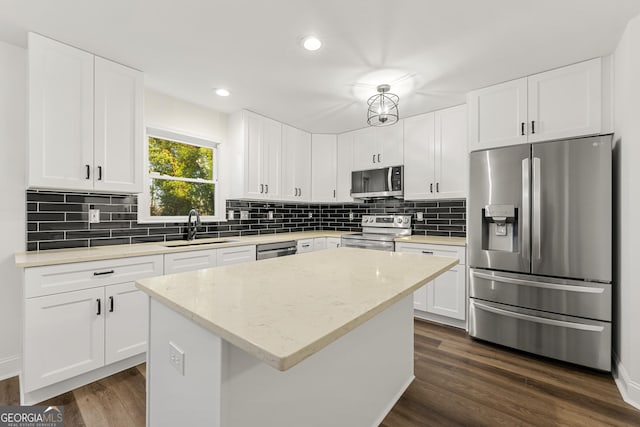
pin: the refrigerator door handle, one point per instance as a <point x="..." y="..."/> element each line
<point x="536" y="213"/>
<point x="526" y="207"/>
<point x="554" y="286"/>
<point x="535" y="319"/>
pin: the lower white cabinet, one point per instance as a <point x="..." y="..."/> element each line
<point x="333" y="242"/>
<point x="96" y="317"/>
<point x="319" y="243"/>
<point x="305" y="245"/>
<point x="190" y="261"/>
<point x="236" y="255"/>
<point x="446" y="296"/>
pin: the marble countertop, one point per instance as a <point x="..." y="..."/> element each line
<point x="284" y="310"/>
<point x="65" y="256"/>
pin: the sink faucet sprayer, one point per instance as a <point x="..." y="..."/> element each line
<point x="192" y="227"/>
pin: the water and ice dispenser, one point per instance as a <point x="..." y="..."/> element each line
<point x="500" y="228"/>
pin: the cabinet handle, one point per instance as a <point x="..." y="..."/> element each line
<point x="305" y="246"/>
<point x="261" y="188"/>
<point x="378" y="158"/>
<point x="522" y="129"/>
<point x="99" y="173"/>
<point x="111" y="304"/>
<point x="431" y="187"/>
<point x="99" y="301"/>
<point x="533" y="126"/>
<point x="103" y="273"/>
<point x="266" y="189"/>
<point x="437" y="187"/>
<point x="334" y="194"/>
<point x="88" y="174"/>
<point x="374" y="158"/>
<point x="300" y="194"/>
<point x="427" y="252"/>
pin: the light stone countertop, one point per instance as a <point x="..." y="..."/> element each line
<point x="286" y="309"/>
<point x="66" y="256"/>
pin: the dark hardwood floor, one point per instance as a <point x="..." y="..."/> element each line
<point x="459" y="382"/>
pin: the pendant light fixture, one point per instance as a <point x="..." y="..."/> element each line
<point x="383" y="107"/>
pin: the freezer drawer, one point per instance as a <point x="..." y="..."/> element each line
<point x="575" y="340"/>
<point x="570" y="297"/>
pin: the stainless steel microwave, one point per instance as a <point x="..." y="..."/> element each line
<point x="378" y="183"/>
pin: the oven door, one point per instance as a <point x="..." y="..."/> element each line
<point x="377" y="245"/>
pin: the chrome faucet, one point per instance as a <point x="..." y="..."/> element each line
<point x="192" y="227"/>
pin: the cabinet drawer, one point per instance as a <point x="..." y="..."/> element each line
<point x="435" y="250"/>
<point x="305" y="245"/>
<point x="236" y="255"/>
<point x="54" y="279"/>
<point x="190" y="261"/>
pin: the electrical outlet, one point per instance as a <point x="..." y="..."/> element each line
<point x="310" y="215"/>
<point x="270" y="215"/>
<point x="230" y="214"/>
<point x="419" y="216"/>
<point x="350" y="216"/>
<point x="176" y="358"/>
<point x="94" y="216"/>
<point x="244" y="214"/>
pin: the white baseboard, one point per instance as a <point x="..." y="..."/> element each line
<point x="10" y="367"/>
<point x="462" y="324"/>
<point x="629" y="389"/>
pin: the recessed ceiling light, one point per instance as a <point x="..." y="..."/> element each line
<point x="222" y="92"/>
<point x="311" y="43"/>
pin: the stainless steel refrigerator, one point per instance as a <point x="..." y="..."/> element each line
<point x="540" y="248"/>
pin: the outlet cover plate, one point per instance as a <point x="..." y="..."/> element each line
<point x="94" y="216"/>
<point x="176" y="358"/>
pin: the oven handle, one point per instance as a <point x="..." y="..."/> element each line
<point x="535" y="319"/>
<point x="292" y="250"/>
<point x="554" y="286"/>
<point x="389" y="175"/>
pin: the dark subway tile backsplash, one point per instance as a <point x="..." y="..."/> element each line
<point x="57" y="219"/>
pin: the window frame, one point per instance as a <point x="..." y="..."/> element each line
<point x="144" y="198"/>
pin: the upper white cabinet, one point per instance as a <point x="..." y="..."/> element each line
<point x="255" y="144"/>
<point x="324" y="156"/>
<point x="436" y="155"/>
<point x="560" y="103"/>
<point x="296" y="164"/>
<point x="85" y="120"/>
<point x="377" y="147"/>
<point x="344" y="167"/>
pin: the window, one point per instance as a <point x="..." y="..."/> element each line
<point x="181" y="175"/>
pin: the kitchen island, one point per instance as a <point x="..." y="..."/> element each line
<point x="323" y="338"/>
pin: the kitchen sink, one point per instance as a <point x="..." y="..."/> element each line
<point x="182" y="243"/>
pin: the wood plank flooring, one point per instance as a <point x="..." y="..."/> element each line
<point x="459" y="382"/>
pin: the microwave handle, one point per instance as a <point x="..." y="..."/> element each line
<point x="389" y="174"/>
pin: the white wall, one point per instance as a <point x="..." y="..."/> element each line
<point x="12" y="209"/>
<point x="627" y="206"/>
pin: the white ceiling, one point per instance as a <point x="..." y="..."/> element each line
<point x="431" y="51"/>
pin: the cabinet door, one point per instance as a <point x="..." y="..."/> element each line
<point x="296" y="164"/>
<point x="344" y="167"/>
<point x="333" y="242"/>
<point x="419" y="141"/>
<point x="566" y="102"/>
<point x="365" y="150"/>
<point x="272" y="158"/>
<point x="236" y="255"/>
<point x="63" y="336"/>
<point x="118" y="137"/>
<point x="389" y="140"/>
<point x="304" y="245"/>
<point x="419" y="296"/>
<point x="451" y="155"/>
<point x="253" y="134"/>
<point x="319" y="243"/>
<point x="126" y="325"/>
<point x="323" y="167"/>
<point x="60" y="148"/>
<point x="498" y="115"/>
<point x="190" y="261"/>
<point x="446" y="295"/>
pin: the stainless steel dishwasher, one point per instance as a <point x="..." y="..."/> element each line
<point x="274" y="250"/>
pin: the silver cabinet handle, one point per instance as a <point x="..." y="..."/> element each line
<point x="374" y="158"/>
<point x="526" y="207"/>
<point x="378" y="158"/>
<point x="535" y="319"/>
<point x="88" y="173"/>
<point x="261" y="188"/>
<point x="536" y="212"/>
<point x="552" y="286"/>
<point x="266" y="189"/>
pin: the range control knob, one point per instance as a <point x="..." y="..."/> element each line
<point x="405" y="219"/>
<point x="399" y="220"/>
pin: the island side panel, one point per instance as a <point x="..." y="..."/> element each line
<point x="354" y="382"/>
<point x="174" y="399"/>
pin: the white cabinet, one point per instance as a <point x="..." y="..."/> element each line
<point x="304" y="245"/>
<point x="333" y="242"/>
<point x="296" y="164"/>
<point x="560" y="103"/>
<point x="85" y="120"/>
<point x="236" y="255"/>
<point x="319" y="243"/>
<point x="323" y="156"/>
<point x="190" y="261"/>
<point x="446" y="296"/>
<point x="82" y="316"/>
<point x="436" y="155"/>
<point x="254" y="153"/>
<point x="376" y="147"/>
<point x="344" y="167"/>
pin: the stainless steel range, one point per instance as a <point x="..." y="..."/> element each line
<point x="379" y="232"/>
